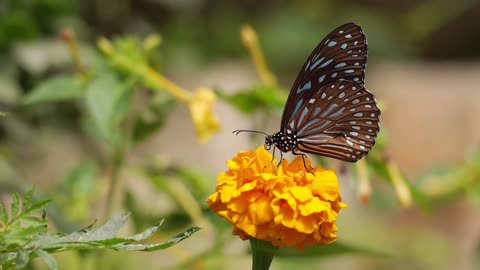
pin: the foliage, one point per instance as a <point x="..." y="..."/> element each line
<point x="23" y="235"/>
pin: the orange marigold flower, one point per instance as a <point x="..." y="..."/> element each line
<point x="286" y="206"/>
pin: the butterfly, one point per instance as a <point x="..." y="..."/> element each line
<point x="328" y="111"/>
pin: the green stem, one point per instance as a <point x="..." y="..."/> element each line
<point x="262" y="254"/>
<point x="117" y="162"/>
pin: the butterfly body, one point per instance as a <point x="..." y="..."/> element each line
<point x="328" y="111"/>
<point x="284" y="142"/>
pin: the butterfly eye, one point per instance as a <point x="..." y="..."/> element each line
<point x="268" y="142"/>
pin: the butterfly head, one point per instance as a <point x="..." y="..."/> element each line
<point x="268" y="142"/>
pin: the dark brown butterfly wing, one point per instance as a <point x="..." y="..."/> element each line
<point x="340" y="120"/>
<point x="342" y="55"/>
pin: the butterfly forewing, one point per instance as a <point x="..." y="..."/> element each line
<point x="342" y="55"/>
<point x="340" y="120"/>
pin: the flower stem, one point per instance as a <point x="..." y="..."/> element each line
<point x="160" y="81"/>
<point x="364" y="185"/>
<point x="250" y="41"/>
<point x="401" y="187"/>
<point x="152" y="78"/>
<point x="68" y="36"/>
<point x="117" y="162"/>
<point x="262" y="254"/>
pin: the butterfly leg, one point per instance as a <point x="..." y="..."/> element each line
<point x="303" y="158"/>
<point x="281" y="158"/>
<point x="273" y="154"/>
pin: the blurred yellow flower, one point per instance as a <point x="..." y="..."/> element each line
<point x="286" y="206"/>
<point x="201" y="108"/>
<point x="200" y="102"/>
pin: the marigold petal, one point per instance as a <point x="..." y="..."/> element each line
<point x="301" y="194"/>
<point x="288" y="205"/>
<point x="314" y="206"/>
<point x="260" y="212"/>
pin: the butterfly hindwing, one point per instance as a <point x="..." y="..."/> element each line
<point x="340" y="120"/>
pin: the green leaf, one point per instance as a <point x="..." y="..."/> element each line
<point x="60" y="88"/>
<point x="15" y="206"/>
<point x="28" y="243"/>
<point x="47" y="258"/>
<point x="147" y="233"/>
<point x="153" y="247"/>
<point x="104" y="237"/>
<point x="7" y="256"/>
<point x="34" y="221"/>
<point x="81" y="179"/>
<point x="22" y="259"/>
<point x="257" y="97"/>
<point x="153" y="118"/>
<point x="37" y="206"/>
<point x="3" y="215"/>
<point x="79" y="186"/>
<point x="107" y="100"/>
<point x="28" y="199"/>
<point x="107" y="231"/>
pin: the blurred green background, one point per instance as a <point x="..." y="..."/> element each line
<point x="423" y="65"/>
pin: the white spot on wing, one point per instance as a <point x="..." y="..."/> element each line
<point x="338" y="113"/>
<point x="316" y="63"/>
<point x="329" y="110"/>
<point x="332" y="43"/>
<point x="321" y="78"/>
<point x="326" y="63"/>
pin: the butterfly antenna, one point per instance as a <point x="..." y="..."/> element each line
<point x="238" y="131"/>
